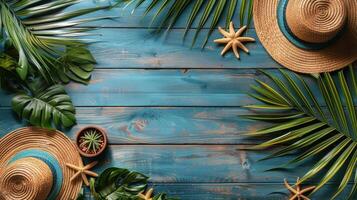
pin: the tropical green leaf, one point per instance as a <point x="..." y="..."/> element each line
<point x="51" y="105"/>
<point x="120" y="184"/>
<point x="7" y="62"/>
<point x="41" y="31"/>
<point x="313" y="126"/>
<point x="76" y="64"/>
<point x="203" y="12"/>
<point x="348" y="175"/>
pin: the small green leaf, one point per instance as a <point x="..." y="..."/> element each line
<point x="50" y="105"/>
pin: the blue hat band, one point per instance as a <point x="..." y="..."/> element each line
<point x="284" y="28"/>
<point x="52" y="164"/>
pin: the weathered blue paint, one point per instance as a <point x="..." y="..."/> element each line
<point x="171" y="112"/>
<point x="166" y="87"/>
<point x="158" y="125"/>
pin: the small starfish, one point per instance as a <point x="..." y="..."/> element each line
<point x="233" y="40"/>
<point x="298" y="193"/>
<point x="146" y="196"/>
<point x="83" y="171"/>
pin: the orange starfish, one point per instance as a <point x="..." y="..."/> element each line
<point x="233" y="40"/>
<point x="83" y="171"/>
<point x="146" y="196"/>
<point x="298" y="193"/>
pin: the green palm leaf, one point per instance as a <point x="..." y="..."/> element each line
<point x="47" y="106"/>
<point x="169" y="11"/>
<point x="41" y="31"/>
<point x="311" y="127"/>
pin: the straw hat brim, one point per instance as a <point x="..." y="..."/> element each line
<point x="336" y="56"/>
<point x="53" y="142"/>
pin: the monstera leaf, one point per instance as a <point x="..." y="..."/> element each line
<point x="117" y="183"/>
<point x="120" y="184"/>
<point x="50" y="105"/>
<point x="305" y="125"/>
<point x="41" y="30"/>
<point x="76" y="64"/>
<point x="168" y="12"/>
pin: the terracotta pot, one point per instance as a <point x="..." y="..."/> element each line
<point x="81" y="132"/>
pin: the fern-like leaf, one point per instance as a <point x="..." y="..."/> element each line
<point x="307" y="125"/>
<point x="203" y="12"/>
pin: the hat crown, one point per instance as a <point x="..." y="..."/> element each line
<point x="26" y="178"/>
<point x="316" y="21"/>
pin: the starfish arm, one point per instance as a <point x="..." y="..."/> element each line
<point x="231" y="29"/>
<point x="73" y="166"/>
<point x="298" y="188"/>
<point x="226" y="48"/>
<point x="246" y="39"/>
<point x="289" y="187"/>
<point x="240" y="45"/>
<point x="293" y="197"/>
<point x="141" y="196"/>
<point x="85" y="180"/>
<point x="308" y="189"/>
<point x="90" y="173"/>
<point x="240" y="31"/>
<point x="235" y="50"/>
<point x="222" y="40"/>
<point x="223" y="32"/>
<point x="75" y="176"/>
<point x="304" y="197"/>
<point x="149" y="193"/>
<point x="90" y="165"/>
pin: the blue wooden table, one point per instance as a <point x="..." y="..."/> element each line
<point x="172" y="112"/>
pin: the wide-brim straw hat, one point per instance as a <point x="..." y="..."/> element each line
<point x="33" y="165"/>
<point x="308" y="36"/>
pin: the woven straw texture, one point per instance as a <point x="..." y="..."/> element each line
<point x="320" y="20"/>
<point x="27" y="178"/>
<point x="53" y="142"/>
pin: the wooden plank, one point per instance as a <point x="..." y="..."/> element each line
<point x="137" y="48"/>
<point x="201" y="163"/>
<point x="157" y="125"/>
<point x="128" y="18"/>
<point x="234" y="191"/>
<point x="164" y="88"/>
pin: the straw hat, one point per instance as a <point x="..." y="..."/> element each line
<point x="308" y="36"/>
<point x="33" y="165"/>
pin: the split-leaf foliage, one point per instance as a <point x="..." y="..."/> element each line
<point x="40" y="43"/>
<point x="121" y="184"/>
<point x="322" y="131"/>
<point x="202" y="12"/>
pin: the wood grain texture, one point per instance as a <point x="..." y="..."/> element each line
<point x="130" y="87"/>
<point x="127" y="17"/>
<point x="137" y="48"/>
<point x="171" y="111"/>
<point x="157" y="125"/>
<point x="202" y="163"/>
<point x="234" y="191"/>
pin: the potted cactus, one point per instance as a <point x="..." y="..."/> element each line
<point x="91" y="141"/>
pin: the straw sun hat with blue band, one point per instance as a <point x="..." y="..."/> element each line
<point x="33" y="165"/>
<point x="308" y="36"/>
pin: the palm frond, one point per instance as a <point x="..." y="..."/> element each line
<point x="204" y="12"/>
<point x="312" y="126"/>
<point x="41" y="31"/>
